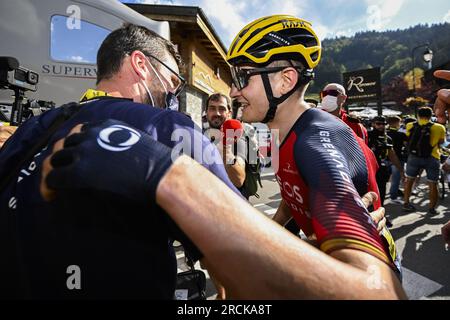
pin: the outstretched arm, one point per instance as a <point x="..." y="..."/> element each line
<point x="252" y="256"/>
<point x="442" y="103"/>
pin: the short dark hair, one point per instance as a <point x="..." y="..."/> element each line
<point x="394" y="120"/>
<point x="124" y="41"/>
<point x="216" y="97"/>
<point x="425" y="112"/>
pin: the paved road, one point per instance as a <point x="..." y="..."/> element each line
<point x="426" y="260"/>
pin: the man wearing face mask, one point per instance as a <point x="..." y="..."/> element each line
<point x="62" y="249"/>
<point x="333" y="98"/>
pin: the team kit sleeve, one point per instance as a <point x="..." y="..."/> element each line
<point x="184" y="137"/>
<point x="177" y="131"/>
<point x="339" y="217"/>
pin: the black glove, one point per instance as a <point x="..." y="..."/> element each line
<point x="111" y="157"/>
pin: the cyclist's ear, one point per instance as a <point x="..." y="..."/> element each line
<point x="289" y="79"/>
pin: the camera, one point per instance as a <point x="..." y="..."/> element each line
<point x="20" y="80"/>
<point x="13" y="76"/>
<point x="382" y="143"/>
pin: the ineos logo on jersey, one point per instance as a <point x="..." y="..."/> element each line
<point x="104" y="138"/>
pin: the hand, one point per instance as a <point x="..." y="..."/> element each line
<point x="442" y="103"/>
<point x="446" y="233"/>
<point x="108" y="157"/>
<point x="5" y="133"/>
<point x="377" y="215"/>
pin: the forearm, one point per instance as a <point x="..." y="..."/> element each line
<point x="237" y="240"/>
<point x="236" y="172"/>
<point x="283" y="215"/>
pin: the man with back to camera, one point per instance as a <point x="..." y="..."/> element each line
<point x="138" y="77"/>
<point x="419" y="159"/>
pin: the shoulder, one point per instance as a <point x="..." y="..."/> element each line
<point x="438" y="126"/>
<point x="410" y="125"/>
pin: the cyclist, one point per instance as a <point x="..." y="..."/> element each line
<point x="324" y="168"/>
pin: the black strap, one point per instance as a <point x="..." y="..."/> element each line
<point x="305" y="76"/>
<point x="68" y="111"/>
<point x="190" y="263"/>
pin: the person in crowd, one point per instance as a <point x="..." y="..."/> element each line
<point x="382" y="146"/>
<point x="333" y="98"/>
<point x="425" y="139"/>
<point x="399" y="140"/>
<point x="218" y="110"/>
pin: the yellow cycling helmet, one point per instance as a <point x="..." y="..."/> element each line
<point x="273" y="38"/>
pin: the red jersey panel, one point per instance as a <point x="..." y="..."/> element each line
<point x="323" y="171"/>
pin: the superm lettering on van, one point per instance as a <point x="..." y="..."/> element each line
<point x="69" y="71"/>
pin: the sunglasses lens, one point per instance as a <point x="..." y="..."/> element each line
<point x="239" y="78"/>
<point x="333" y="93"/>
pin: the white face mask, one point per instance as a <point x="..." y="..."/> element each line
<point x="171" y="102"/>
<point x="148" y="93"/>
<point x="329" y="104"/>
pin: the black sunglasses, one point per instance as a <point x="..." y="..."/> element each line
<point x="182" y="82"/>
<point x="240" y="76"/>
<point x="333" y="93"/>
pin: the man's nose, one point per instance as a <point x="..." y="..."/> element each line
<point x="234" y="92"/>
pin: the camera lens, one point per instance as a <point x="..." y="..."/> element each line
<point x="33" y="77"/>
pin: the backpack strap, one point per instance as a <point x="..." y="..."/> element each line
<point x="68" y="111"/>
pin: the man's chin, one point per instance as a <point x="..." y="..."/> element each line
<point x="248" y="119"/>
<point x="216" y="124"/>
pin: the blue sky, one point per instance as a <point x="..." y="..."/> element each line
<point x="330" y="18"/>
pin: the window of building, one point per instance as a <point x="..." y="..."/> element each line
<point x="75" y="41"/>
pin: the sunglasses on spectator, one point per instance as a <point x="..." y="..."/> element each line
<point x="333" y="93"/>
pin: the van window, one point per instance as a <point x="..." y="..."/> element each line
<point x="75" y="42"/>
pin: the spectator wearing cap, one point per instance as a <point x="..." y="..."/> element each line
<point x="333" y="98"/>
<point x="382" y="146"/>
<point x="399" y="140"/>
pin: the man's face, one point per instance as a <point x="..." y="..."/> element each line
<point x="379" y="126"/>
<point x="217" y="112"/>
<point x="341" y="98"/>
<point x="163" y="80"/>
<point x="252" y="98"/>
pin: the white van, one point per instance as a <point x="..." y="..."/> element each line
<point x="59" y="40"/>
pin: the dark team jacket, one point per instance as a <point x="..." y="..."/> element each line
<point x="378" y="142"/>
<point x="122" y="251"/>
<point x="323" y="170"/>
